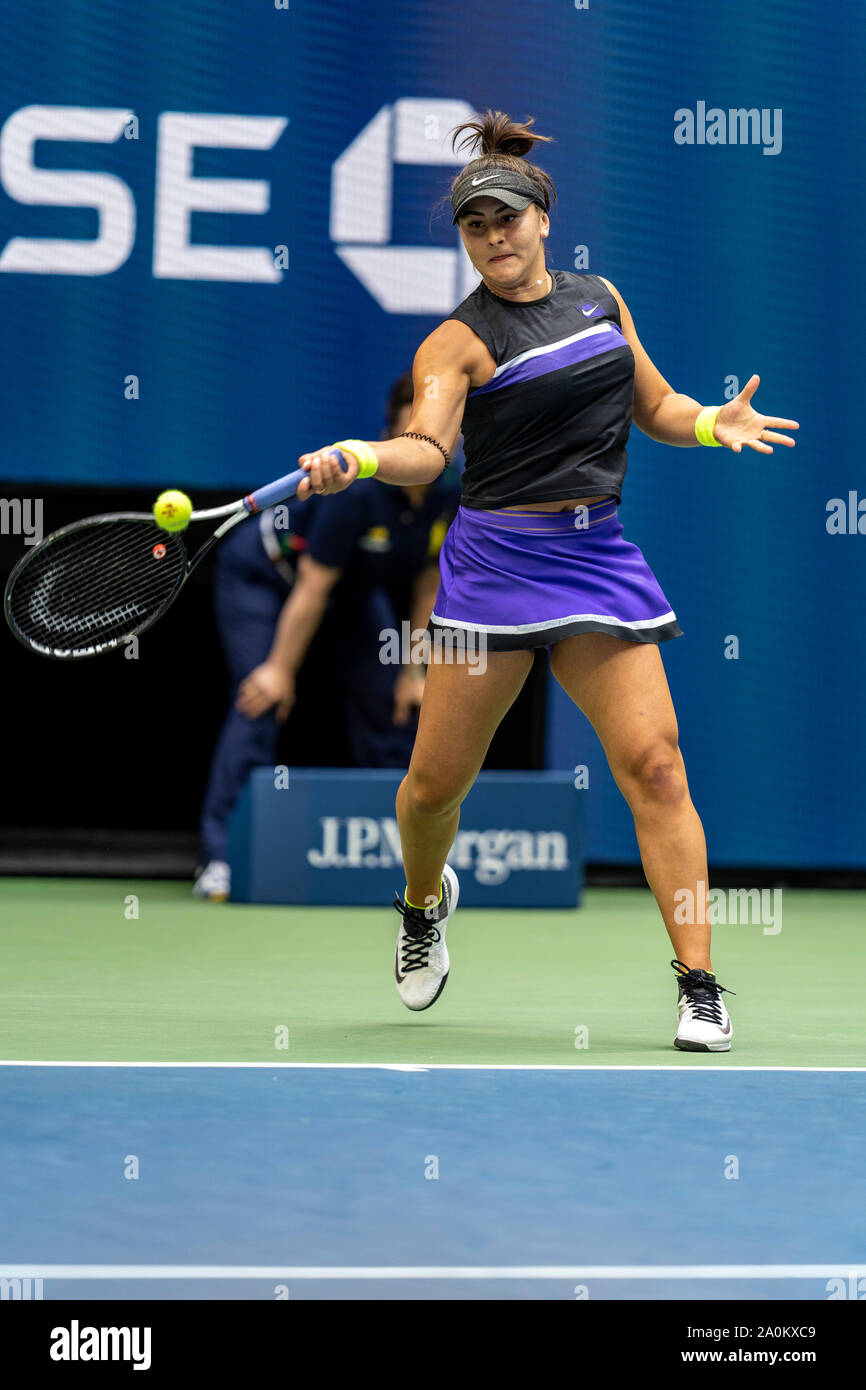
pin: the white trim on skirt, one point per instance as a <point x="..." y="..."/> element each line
<point x="668" y="617"/>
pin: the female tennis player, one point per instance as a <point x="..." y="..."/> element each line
<point x="544" y="372"/>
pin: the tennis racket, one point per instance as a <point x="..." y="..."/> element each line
<point x="89" y="587"/>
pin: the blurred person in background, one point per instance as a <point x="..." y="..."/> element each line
<point x="330" y="571"/>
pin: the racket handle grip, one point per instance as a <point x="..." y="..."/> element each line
<point x="282" y="489"/>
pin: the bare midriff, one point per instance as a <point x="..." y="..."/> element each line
<point x="568" y="506"/>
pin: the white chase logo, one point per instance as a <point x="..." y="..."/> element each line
<point x="360" y="842"/>
<point x="402" y="279"/>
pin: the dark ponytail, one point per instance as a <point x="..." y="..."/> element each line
<point x="502" y="143"/>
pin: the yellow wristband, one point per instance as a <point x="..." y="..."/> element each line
<point x="705" y="424"/>
<point x="367" y="460"/>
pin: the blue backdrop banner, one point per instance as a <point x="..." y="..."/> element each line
<point x="221" y="239"/>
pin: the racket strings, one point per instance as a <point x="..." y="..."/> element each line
<point x="94" y="585"/>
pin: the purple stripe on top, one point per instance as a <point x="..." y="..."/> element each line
<point x="581" y="347"/>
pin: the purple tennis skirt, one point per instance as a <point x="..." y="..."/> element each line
<point x="528" y="579"/>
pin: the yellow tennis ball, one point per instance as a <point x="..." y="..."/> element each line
<point x="172" y="510"/>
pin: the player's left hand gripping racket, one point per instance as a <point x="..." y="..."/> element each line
<point x="91" y="586"/>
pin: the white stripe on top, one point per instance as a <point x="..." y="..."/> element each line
<point x="551" y="347"/>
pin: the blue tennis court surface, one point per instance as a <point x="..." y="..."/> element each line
<point x="440" y="1183"/>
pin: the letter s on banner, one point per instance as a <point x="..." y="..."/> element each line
<point x="66" y="188"/>
<point x="178" y="194"/>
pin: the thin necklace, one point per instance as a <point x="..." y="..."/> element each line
<point x="546" y="276"/>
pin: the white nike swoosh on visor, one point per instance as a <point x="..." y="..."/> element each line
<point x="486" y="179"/>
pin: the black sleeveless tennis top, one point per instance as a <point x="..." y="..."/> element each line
<point x="554" y="419"/>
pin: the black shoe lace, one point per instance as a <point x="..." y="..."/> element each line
<point x="421" y="934"/>
<point x="702" y="993"/>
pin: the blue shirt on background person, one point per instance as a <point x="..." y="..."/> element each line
<point x="340" y="570"/>
<point x="371" y="533"/>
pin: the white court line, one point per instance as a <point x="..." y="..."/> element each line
<point x="44" y="1271"/>
<point x="428" y="1066"/>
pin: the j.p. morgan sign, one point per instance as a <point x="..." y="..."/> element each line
<point x="331" y="837"/>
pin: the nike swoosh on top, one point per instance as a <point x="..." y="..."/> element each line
<point x="591" y="310"/>
<point x="486" y="179"/>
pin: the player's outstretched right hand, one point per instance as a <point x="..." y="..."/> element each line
<point x="326" y="475"/>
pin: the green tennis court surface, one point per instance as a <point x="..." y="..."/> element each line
<point x="85" y="980"/>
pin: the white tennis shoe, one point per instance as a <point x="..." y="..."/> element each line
<point x="703" y="1022"/>
<point x="421" y="961"/>
<point x="214" y="882"/>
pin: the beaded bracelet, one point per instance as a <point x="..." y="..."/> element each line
<point x="413" y="434"/>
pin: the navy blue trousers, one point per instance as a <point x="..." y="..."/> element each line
<point x="249" y="593"/>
